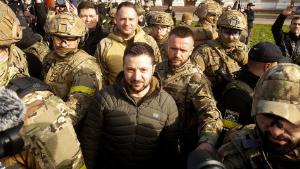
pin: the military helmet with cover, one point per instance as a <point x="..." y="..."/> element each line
<point x="10" y="28"/>
<point x="161" y="18"/>
<point x="66" y="25"/>
<point x="278" y="93"/>
<point x="232" y="19"/>
<point x="205" y="9"/>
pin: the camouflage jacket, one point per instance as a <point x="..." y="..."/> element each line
<point x="47" y="127"/>
<point x="74" y="78"/>
<point x="217" y="61"/>
<point x="46" y="130"/>
<point x="244" y="150"/>
<point x="15" y="66"/>
<point x="196" y="105"/>
<point x="110" y="50"/>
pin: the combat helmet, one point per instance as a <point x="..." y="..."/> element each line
<point x="232" y="19"/>
<point x="278" y="93"/>
<point x="204" y="9"/>
<point x="10" y="28"/>
<point x="66" y="25"/>
<point x="161" y="18"/>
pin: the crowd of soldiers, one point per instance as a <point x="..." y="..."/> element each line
<point x="120" y="86"/>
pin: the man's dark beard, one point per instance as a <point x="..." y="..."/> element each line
<point x="132" y="90"/>
<point x="277" y="149"/>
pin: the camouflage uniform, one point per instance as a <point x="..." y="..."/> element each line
<point x="220" y="59"/>
<point x="110" y="52"/>
<point x="75" y="76"/>
<point x="276" y="93"/>
<point x="47" y="127"/>
<point x="11" y="32"/>
<point x="17" y="63"/>
<point x="107" y="23"/>
<point x="206" y="28"/>
<point x="197" y="107"/>
<point x="165" y="19"/>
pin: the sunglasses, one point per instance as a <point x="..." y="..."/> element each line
<point x="233" y="32"/>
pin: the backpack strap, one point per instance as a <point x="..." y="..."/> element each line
<point x="25" y="85"/>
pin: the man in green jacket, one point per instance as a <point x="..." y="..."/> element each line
<point x="110" y="50"/>
<point x="132" y="124"/>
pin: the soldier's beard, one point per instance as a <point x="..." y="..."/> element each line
<point x="229" y="43"/>
<point x="63" y="52"/>
<point x="276" y="149"/>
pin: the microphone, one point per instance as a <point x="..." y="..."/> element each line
<point x="11" y="121"/>
<point x="12" y="109"/>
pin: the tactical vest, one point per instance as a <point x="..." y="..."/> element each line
<point x="177" y="86"/>
<point x="248" y="147"/>
<point x="46" y="128"/>
<point x="180" y="87"/>
<point x="224" y="63"/>
<point x="59" y="72"/>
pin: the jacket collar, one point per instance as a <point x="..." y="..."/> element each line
<point x="116" y="35"/>
<point x="293" y="36"/>
<point x="183" y="67"/>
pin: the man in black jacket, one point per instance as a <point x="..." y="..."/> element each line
<point x="132" y="124"/>
<point x="236" y="99"/>
<point x="250" y="18"/>
<point x="289" y="42"/>
<point x="87" y="11"/>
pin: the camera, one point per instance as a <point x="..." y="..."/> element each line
<point x="11" y="142"/>
<point x="11" y="112"/>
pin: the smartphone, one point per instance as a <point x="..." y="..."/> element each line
<point x="297" y="10"/>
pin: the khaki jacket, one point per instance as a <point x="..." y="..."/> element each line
<point x="111" y="49"/>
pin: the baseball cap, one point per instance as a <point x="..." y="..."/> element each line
<point x="266" y="52"/>
<point x="250" y="4"/>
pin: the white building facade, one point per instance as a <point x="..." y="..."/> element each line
<point x="260" y="4"/>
